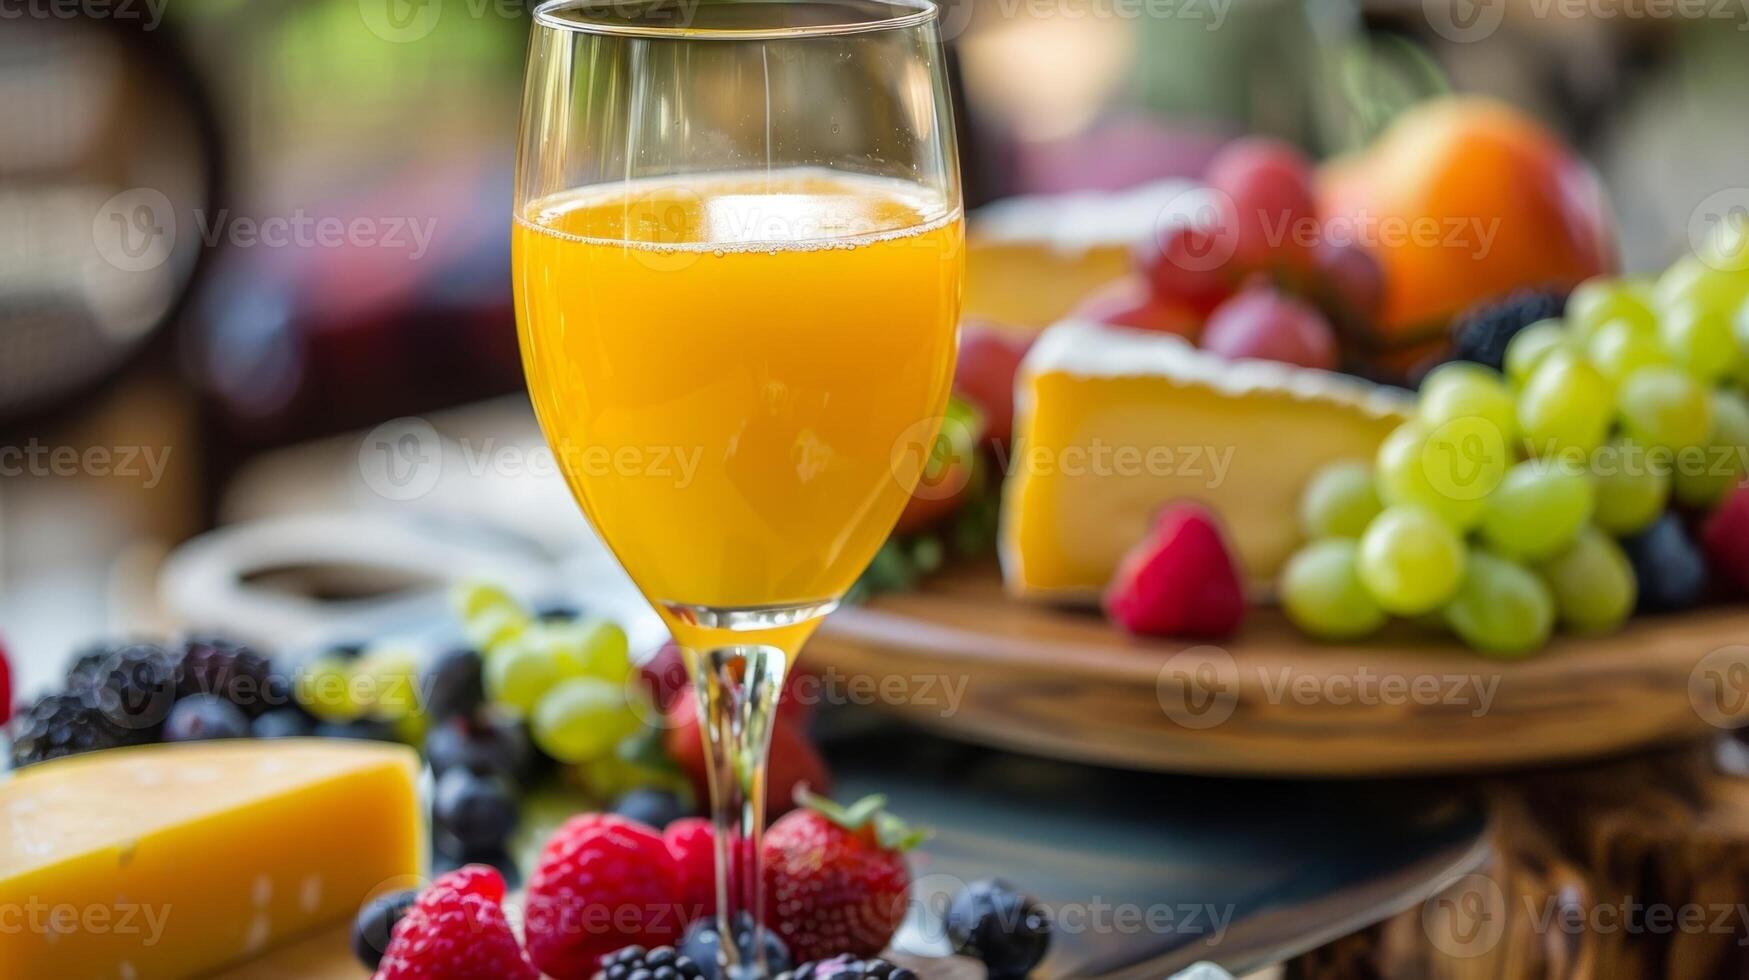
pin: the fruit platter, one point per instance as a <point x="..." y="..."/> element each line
<point x="1427" y="487"/>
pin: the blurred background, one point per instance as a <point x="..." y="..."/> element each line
<point x="230" y="227"/>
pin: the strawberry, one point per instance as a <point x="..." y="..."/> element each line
<point x="693" y="846"/>
<point x="456" y="930"/>
<point x="5" y="687"/>
<point x="835" y="878"/>
<point x="1726" y="538"/>
<point x="794" y="760"/>
<point x="602" y="882"/>
<point x="989" y="358"/>
<point x="1179" y="580"/>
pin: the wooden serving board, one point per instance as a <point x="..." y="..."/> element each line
<point x="1067" y="684"/>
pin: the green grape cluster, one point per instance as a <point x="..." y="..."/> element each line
<point x="1497" y="507"/>
<point x="569" y="679"/>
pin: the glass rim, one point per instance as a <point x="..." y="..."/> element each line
<point x="905" y="13"/>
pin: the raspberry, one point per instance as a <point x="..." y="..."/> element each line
<point x="456" y="930"/>
<point x="602" y="882"/>
<point x="5" y="687"/>
<point x="1179" y="580"/>
<point x="693" y="845"/>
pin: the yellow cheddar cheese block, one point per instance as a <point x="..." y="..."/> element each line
<point x="169" y="861"/>
<point x="1112" y="424"/>
<point x="1031" y="259"/>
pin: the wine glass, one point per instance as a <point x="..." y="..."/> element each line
<point x="737" y="254"/>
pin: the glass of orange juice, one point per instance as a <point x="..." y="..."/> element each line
<point x="737" y="254"/>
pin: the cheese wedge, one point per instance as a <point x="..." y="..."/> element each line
<point x="1112" y="424"/>
<point x="170" y="861"/>
<point x="1031" y="259"/>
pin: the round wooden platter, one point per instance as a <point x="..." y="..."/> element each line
<point x="960" y="656"/>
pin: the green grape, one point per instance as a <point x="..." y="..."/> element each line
<point x="1618" y="349"/>
<point x="1630" y="492"/>
<point x="325" y="689"/>
<point x="1599" y="301"/>
<point x="518" y="675"/>
<point x="1592" y="582"/>
<point x="1663" y="406"/>
<point x="1704" y="475"/>
<point x="581" y="719"/>
<point x="1464" y="390"/>
<point x="1501" y="607"/>
<point x="1566" y="406"/>
<point x="493" y="629"/>
<point x="1414" y="471"/>
<point x="1538" y="509"/>
<point x="1691" y="280"/>
<point x="1701" y="339"/>
<point x="1339" y="501"/>
<point x="1410" y="560"/>
<point x="472" y="598"/>
<point x="583" y="648"/>
<point x="387" y="681"/>
<point x="1529" y="346"/>
<point x="1322" y="594"/>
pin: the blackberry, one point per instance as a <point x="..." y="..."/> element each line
<point x="1482" y="332"/>
<point x="233" y="672"/>
<point x="133" y="688"/>
<point x="637" y="963"/>
<point x="992" y="921"/>
<point x="848" y="967"/>
<point x="57" y="725"/>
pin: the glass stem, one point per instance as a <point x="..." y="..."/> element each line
<point x="737" y="690"/>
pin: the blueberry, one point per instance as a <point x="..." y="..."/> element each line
<point x="701" y="942"/>
<point x="200" y="717"/>
<point x="370" y="931"/>
<point x="557" y="611"/>
<point x="655" y="807"/>
<point x="362" y="729"/>
<point x="1671" y="570"/>
<point x="472" y="812"/>
<point x="282" y="723"/>
<point x="990" y="921"/>
<point x="494" y="744"/>
<point x="456" y="687"/>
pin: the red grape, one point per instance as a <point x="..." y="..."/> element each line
<point x="1262" y="323"/>
<point x="1130" y="303"/>
<point x="1189" y="259"/>
<point x="1270" y="184"/>
<point x="1352" y="280"/>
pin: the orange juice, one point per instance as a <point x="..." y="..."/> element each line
<point x="737" y="374"/>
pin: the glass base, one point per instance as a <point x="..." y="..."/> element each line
<point x="749" y="619"/>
